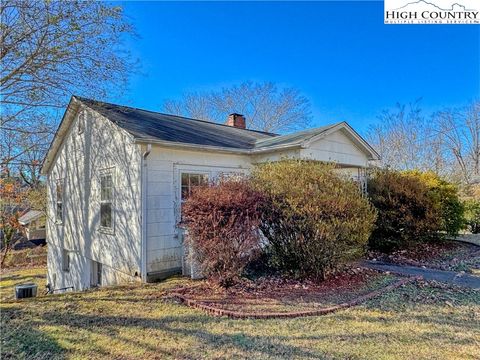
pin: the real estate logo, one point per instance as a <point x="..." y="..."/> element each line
<point x="432" y="12"/>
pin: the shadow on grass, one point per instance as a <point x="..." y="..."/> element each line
<point x="20" y="339"/>
<point x="178" y="326"/>
<point x="20" y="278"/>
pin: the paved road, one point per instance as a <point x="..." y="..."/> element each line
<point x="469" y="238"/>
<point x="451" y="277"/>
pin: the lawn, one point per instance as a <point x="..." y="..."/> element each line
<point x="420" y="321"/>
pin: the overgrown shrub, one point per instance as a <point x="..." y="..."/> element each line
<point x="446" y="198"/>
<point x="472" y="215"/>
<point x="313" y="219"/>
<point x="223" y="220"/>
<point x="407" y="213"/>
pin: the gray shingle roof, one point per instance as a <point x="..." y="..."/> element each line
<point x="292" y="139"/>
<point x="149" y="125"/>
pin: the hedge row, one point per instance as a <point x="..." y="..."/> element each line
<point x="308" y="220"/>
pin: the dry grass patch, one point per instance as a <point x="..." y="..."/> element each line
<point x="132" y="322"/>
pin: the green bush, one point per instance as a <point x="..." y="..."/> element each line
<point x="446" y="198"/>
<point x="472" y="215"/>
<point x="313" y="219"/>
<point x="407" y="213"/>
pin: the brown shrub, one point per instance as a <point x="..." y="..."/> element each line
<point x="223" y="220"/>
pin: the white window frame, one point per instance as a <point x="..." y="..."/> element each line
<point x="60" y="182"/>
<point x="207" y="175"/>
<point x="212" y="172"/>
<point x="107" y="172"/>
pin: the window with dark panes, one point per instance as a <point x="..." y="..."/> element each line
<point x="96" y="274"/>
<point x="106" y="201"/>
<point x="65" y="261"/>
<point x="189" y="181"/>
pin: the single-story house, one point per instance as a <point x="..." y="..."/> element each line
<point x="117" y="177"/>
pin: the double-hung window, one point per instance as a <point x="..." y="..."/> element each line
<point x="106" y="200"/>
<point x="189" y="181"/>
<point x="59" y="202"/>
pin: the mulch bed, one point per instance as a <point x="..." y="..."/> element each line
<point x="442" y="255"/>
<point x="278" y="297"/>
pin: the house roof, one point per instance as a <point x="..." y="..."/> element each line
<point x="30" y="216"/>
<point x="171" y="130"/>
<point x="295" y="138"/>
<point x="148" y="125"/>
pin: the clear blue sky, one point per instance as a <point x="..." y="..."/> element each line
<point x="339" y="54"/>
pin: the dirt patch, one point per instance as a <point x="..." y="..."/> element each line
<point x="442" y="255"/>
<point x="276" y="295"/>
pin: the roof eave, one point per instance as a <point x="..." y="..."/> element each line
<point x="174" y="144"/>
<point x="221" y="149"/>
<point x="62" y="129"/>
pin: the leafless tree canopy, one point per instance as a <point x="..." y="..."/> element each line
<point x="265" y="106"/>
<point x="448" y="142"/>
<point x="50" y="50"/>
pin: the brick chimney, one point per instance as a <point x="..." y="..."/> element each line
<point x="236" y="120"/>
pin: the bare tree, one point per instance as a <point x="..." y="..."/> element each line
<point x="265" y="106"/>
<point x="50" y="50"/>
<point x="459" y="130"/>
<point x="447" y="143"/>
<point x="405" y="139"/>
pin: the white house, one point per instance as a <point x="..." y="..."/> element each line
<point x="117" y="177"/>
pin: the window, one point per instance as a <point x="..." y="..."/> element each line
<point x="59" y="202"/>
<point x="96" y="274"/>
<point x="189" y="181"/>
<point x="106" y="201"/>
<point x="81" y="122"/>
<point x="65" y="260"/>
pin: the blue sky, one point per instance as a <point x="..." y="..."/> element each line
<point x="339" y="54"/>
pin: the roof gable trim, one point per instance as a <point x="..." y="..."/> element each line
<point x="361" y="143"/>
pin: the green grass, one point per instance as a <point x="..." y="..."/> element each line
<point x="421" y="321"/>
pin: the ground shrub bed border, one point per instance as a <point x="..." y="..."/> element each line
<point x="217" y="311"/>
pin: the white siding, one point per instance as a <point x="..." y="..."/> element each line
<point x="79" y="163"/>
<point x="164" y="165"/>
<point x="336" y="147"/>
<point x="277" y="156"/>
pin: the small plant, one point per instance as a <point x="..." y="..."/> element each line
<point x="407" y="213"/>
<point x="313" y="219"/>
<point x="223" y="221"/>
